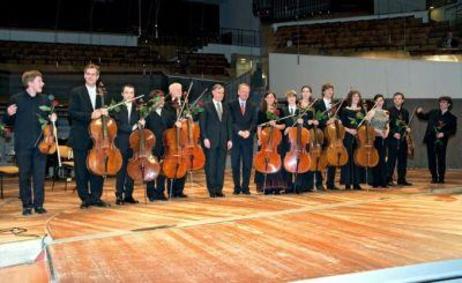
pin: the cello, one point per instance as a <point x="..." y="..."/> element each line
<point x="366" y="155"/>
<point x="143" y="166"/>
<point x="337" y="154"/>
<point x="104" y="158"/>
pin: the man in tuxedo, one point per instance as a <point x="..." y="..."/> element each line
<point x="176" y="101"/>
<point x="215" y="125"/>
<point x="158" y="121"/>
<point x="22" y="113"/>
<point x="397" y="146"/>
<point x="322" y="105"/>
<point x="442" y="124"/>
<point x="85" y="105"/>
<point x="126" y="119"/>
<point x="243" y="115"/>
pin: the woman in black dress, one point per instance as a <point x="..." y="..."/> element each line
<point x="351" y="115"/>
<point x="268" y="112"/>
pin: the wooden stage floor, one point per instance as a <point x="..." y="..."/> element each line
<point x="253" y="238"/>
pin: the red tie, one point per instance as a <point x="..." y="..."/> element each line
<point x="242" y="108"/>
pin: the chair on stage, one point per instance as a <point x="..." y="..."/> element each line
<point x="67" y="163"/>
<point x="7" y="170"/>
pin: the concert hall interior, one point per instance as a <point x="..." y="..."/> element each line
<point x="231" y="141"/>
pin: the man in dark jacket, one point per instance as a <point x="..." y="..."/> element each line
<point x="442" y="124"/>
<point x="215" y="124"/>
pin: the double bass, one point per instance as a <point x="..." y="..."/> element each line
<point x="337" y="154"/>
<point x="104" y="158"/>
<point x="143" y="166"/>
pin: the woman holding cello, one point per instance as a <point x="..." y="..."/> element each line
<point x="318" y="163"/>
<point x="379" y="118"/>
<point x="267" y="161"/>
<point x="351" y="116"/>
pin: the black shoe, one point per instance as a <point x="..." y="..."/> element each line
<point x="390" y="184"/>
<point x="405" y="183"/>
<point x="220" y="195"/>
<point x="246" y="191"/>
<point x="321" y="188"/>
<point x="130" y="200"/>
<point x="334" y="188"/>
<point x="236" y="191"/>
<point x="181" y="195"/>
<point x="162" y="197"/>
<point x="85" y="204"/>
<point x="100" y="203"/>
<point x="119" y="201"/>
<point x="347" y="187"/>
<point x="357" y="187"/>
<point x="441" y="181"/>
<point x="26" y="211"/>
<point x="213" y="195"/>
<point x="434" y="181"/>
<point x="40" y="210"/>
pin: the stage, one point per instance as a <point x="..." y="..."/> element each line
<point x="254" y="238"/>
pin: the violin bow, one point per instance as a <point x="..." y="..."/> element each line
<point x="185" y="101"/>
<point x="303" y="113"/>
<point x="364" y="119"/>
<point x="123" y="102"/>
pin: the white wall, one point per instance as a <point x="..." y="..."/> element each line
<point x="229" y="50"/>
<point x="417" y="79"/>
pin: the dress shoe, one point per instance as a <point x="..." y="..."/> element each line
<point x="161" y="197"/>
<point x="130" y="200"/>
<point x="405" y="183"/>
<point x="357" y="187"/>
<point x="100" y="203"/>
<point x="220" y="195"/>
<point x="434" y="181"/>
<point x="213" y="195"/>
<point x="236" y="191"/>
<point x="181" y="195"/>
<point x="40" y="210"/>
<point x="26" y="211"/>
<point x="85" y="204"/>
<point x="441" y="181"/>
<point x="334" y="188"/>
<point x="119" y="201"/>
<point x="320" y="188"/>
<point x="246" y="191"/>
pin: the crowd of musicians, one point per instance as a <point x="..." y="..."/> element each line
<point x="296" y="144"/>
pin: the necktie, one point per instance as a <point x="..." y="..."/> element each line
<point x="219" y="110"/>
<point x="242" y="108"/>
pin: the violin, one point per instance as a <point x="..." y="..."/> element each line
<point x="337" y="154"/>
<point x="49" y="144"/>
<point x="104" y="158"/>
<point x="366" y="155"/>
<point x="267" y="160"/>
<point x="143" y="166"/>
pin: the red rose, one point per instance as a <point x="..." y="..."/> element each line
<point x="277" y="112"/>
<point x="55" y="103"/>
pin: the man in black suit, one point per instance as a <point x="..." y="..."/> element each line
<point x="215" y="124"/>
<point x="126" y="119"/>
<point x="397" y="146"/>
<point x="322" y="105"/>
<point x="85" y="105"/>
<point x="159" y="120"/>
<point x="442" y="124"/>
<point x="22" y="113"/>
<point x="243" y="115"/>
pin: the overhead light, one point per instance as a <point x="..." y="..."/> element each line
<point x="431" y="7"/>
<point x="243" y="60"/>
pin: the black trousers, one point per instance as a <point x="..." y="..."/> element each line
<point x="330" y="182"/>
<point x="124" y="184"/>
<point x="242" y="152"/>
<point x="89" y="186"/>
<point x="312" y="178"/>
<point x="176" y="186"/>
<point x="397" y="153"/>
<point x="379" y="172"/>
<point x="215" y="169"/>
<point x="31" y="163"/>
<point x="156" y="188"/>
<point x="350" y="172"/>
<point x="436" y="154"/>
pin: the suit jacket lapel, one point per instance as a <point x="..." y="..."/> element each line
<point x="86" y="97"/>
